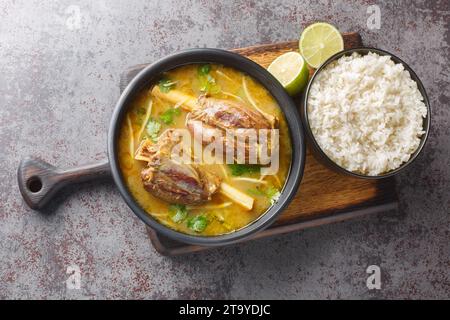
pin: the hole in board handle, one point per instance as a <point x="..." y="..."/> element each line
<point x="34" y="184"/>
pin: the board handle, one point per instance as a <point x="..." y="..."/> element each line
<point x="39" y="181"/>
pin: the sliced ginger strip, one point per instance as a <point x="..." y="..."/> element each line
<point x="210" y="206"/>
<point x="236" y="195"/>
<point x="148" y="113"/>
<point x="188" y="102"/>
<point x="257" y="181"/>
<point x="269" y="117"/>
<point x="130" y="129"/>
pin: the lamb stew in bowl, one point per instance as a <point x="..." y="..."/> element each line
<point x="200" y="196"/>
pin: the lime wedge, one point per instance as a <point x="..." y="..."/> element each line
<point x="320" y="41"/>
<point x="291" y="70"/>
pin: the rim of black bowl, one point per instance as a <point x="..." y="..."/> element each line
<point x="414" y="77"/>
<point x="206" y="55"/>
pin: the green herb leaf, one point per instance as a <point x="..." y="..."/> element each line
<point x="273" y="194"/>
<point x="168" y="115"/>
<point x="152" y="128"/>
<point x="208" y="84"/>
<point x="240" y="169"/>
<point x="165" y="85"/>
<point x="198" y="223"/>
<point x="204" y="69"/>
<point x="178" y="212"/>
<point x="256" y="192"/>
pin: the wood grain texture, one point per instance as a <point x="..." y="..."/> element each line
<point x="39" y="181"/>
<point x="324" y="196"/>
<point x="264" y="54"/>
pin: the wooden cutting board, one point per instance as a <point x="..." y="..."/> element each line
<point x="324" y="196"/>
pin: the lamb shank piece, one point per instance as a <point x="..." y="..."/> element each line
<point x="172" y="181"/>
<point x="218" y="113"/>
<point x="215" y="116"/>
<point x="225" y="114"/>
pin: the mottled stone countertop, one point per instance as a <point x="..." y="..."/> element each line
<point x="60" y="66"/>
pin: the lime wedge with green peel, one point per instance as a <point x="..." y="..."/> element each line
<point x="292" y="72"/>
<point x="320" y="41"/>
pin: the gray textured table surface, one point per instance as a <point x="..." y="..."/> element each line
<point x="60" y="65"/>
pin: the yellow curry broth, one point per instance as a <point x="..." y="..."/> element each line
<point x="232" y="216"/>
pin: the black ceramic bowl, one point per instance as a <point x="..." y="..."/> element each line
<point x="148" y="76"/>
<point x="320" y="154"/>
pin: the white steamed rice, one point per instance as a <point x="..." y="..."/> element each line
<point x="366" y="113"/>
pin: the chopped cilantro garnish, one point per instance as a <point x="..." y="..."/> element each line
<point x="208" y="84"/>
<point x="152" y="128"/>
<point x="178" y="212"/>
<point x="240" y="169"/>
<point x="198" y="223"/>
<point x="256" y="192"/>
<point x="168" y="115"/>
<point x="271" y="193"/>
<point x="204" y="69"/>
<point x="165" y="85"/>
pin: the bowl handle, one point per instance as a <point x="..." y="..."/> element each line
<point x="39" y="181"/>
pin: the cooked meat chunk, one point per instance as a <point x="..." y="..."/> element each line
<point x="225" y="114"/>
<point x="215" y="116"/>
<point x="170" y="180"/>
